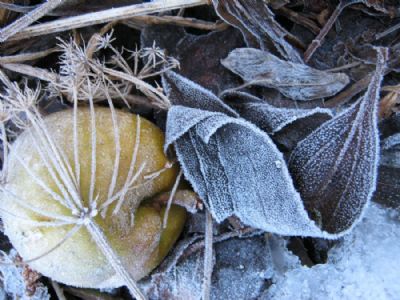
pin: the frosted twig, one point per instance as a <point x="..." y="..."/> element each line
<point x="36" y="178"/>
<point x="4" y="139"/>
<point x="75" y="136"/>
<point x="171" y="198"/>
<point x="104" y="16"/>
<point x="19" y="58"/>
<point x="59" y="290"/>
<point x="117" y="147"/>
<point x="35" y="209"/>
<point x="316" y="43"/>
<point x="42" y="74"/>
<point x="208" y="257"/>
<point x="101" y="241"/>
<point x="28" y="19"/>
<point x="150" y="91"/>
<point x="93" y="135"/>
<point x="139" y="22"/>
<point x="37" y="223"/>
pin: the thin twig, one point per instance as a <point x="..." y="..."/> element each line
<point x="208" y="257"/>
<point x="141" y="21"/>
<point x="39" y="73"/>
<point x="59" y="290"/>
<point x="26" y="56"/>
<point x="104" y="16"/>
<point x="299" y="19"/>
<point x="171" y="198"/>
<point x="27" y="19"/>
<point x="387" y="31"/>
<point x="317" y="42"/>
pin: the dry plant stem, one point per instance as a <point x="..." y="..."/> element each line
<point x="387" y="31"/>
<point x="171" y="198"/>
<point x="140" y="21"/>
<point x="59" y="290"/>
<point x="108" y="15"/>
<point x="345" y="67"/>
<point x="299" y="19"/>
<point x="157" y="95"/>
<point x="349" y="93"/>
<point x="208" y="257"/>
<point x="39" y="73"/>
<point x="29" y="18"/>
<point x="113" y="259"/>
<point x="317" y="42"/>
<point x="26" y="56"/>
<point x="4" y="139"/>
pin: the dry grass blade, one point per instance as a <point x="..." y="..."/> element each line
<point x="29" y="18"/>
<point x="100" y="17"/>
<point x="18" y="58"/>
<point x="141" y="21"/>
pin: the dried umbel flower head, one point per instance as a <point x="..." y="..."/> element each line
<point x="72" y="201"/>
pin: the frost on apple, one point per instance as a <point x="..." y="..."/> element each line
<point x="234" y="166"/>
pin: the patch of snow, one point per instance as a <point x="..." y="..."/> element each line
<point x="366" y="265"/>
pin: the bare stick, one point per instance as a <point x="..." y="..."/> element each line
<point x="18" y="58"/>
<point x="317" y="42"/>
<point x="27" y="19"/>
<point x="104" y="16"/>
<point x="171" y="198"/>
<point x="208" y="255"/>
<point x="141" y="21"/>
<point x="39" y="73"/>
<point x="59" y="290"/>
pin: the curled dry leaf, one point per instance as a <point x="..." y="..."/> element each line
<point x="234" y="166"/>
<point x="335" y="167"/>
<point x="258" y="26"/>
<point x="296" y="81"/>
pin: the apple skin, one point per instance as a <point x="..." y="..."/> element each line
<point x="135" y="233"/>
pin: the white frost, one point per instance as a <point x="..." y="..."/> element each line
<point x="365" y="266"/>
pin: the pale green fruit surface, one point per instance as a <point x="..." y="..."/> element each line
<point x="134" y="233"/>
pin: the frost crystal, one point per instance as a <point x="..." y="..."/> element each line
<point x="365" y="266"/>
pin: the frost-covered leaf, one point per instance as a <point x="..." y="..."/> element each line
<point x="273" y="119"/>
<point x="240" y="272"/>
<point x="258" y="26"/>
<point x="335" y="167"/>
<point x="234" y="167"/>
<point x="296" y="81"/>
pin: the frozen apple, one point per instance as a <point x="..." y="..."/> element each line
<point x="73" y="197"/>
